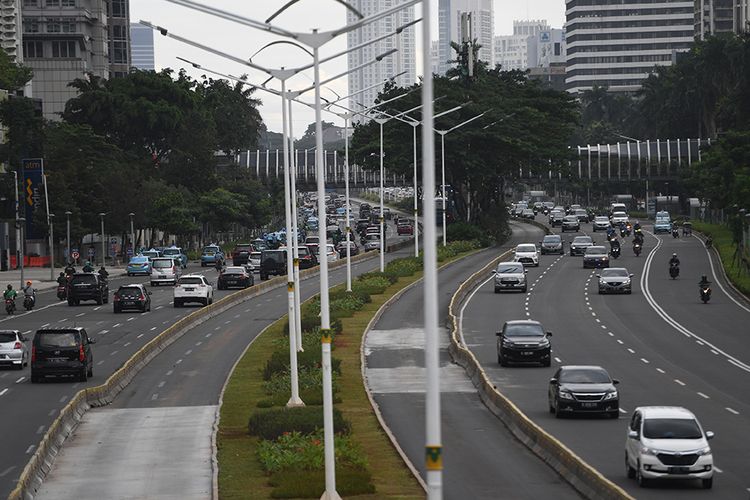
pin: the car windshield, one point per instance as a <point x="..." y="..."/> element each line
<point x="671" y="428"/>
<point x="615" y="273"/>
<point x="582" y="240"/>
<point x="234" y="270"/>
<point x="524" y="330"/>
<point x="256" y="255"/>
<point x="619" y="214"/>
<point x="571" y="218"/>
<point x="88" y="279"/>
<point x="7" y="337"/>
<point x="276" y="256"/>
<point x="509" y="269"/>
<point x="553" y="238"/>
<point x="171" y="251"/>
<point x="129" y="291"/>
<point x="373" y="237"/>
<point x="162" y="263"/>
<point x="580" y="211"/>
<point x="526" y="248"/>
<point x="584" y="376"/>
<point x="596" y="251"/>
<point x="190" y="280"/>
<point x="58" y="339"/>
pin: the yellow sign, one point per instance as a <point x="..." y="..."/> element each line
<point x="325" y="335"/>
<point x="434" y="457"/>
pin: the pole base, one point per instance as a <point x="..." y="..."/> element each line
<point x="295" y="403"/>
<point x="300" y="349"/>
<point x="330" y="496"/>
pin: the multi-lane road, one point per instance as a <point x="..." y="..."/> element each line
<point x="663" y="344"/>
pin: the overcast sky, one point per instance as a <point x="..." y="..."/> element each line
<point x="243" y="42"/>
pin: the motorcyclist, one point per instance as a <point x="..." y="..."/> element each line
<point x="62" y="280"/>
<point x="88" y="268"/>
<point x="674" y="261"/>
<point x="638" y="237"/>
<point x="29" y="292"/>
<point x="610" y="232"/>
<point x="10" y="293"/>
<point x="704" y="281"/>
<point x="614" y="244"/>
<point x="70" y="268"/>
<point x="637" y="226"/>
<point x="103" y="273"/>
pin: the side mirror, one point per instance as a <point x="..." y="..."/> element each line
<point x="598" y="275"/>
<point x="615" y="381"/>
<point x="498" y="334"/>
<point x="631" y="275"/>
<point x="92" y="341"/>
<point x="549" y="334"/>
<point x="709" y="434"/>
<point x="632" y="434"/>
<point x="494" y="271"/>
<point x="553" y="381"/>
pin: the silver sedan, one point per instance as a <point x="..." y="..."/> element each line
<point x="615" y="280"/>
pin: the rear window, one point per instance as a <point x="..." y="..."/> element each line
<point x="57" y="339"/>
<point x="275" y="256"/>
<point x="129" y="291"/>
<point x="243" y="248"/>
<point x="171" y="251"/>
<point x="162" y="263"/>
<point x="303" y="251"/>
<point x="571" y="218"/>
<point x="553" y="238"/>
<point x="234" y="270"/>
<point x="190" y="281"/>
<point x="582" y="239"/>
<point x="596" y="251"/>
<point x="88" y="279"/>
<point x="7" y="337"/>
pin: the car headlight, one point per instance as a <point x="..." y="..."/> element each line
<point x="704" y="451"/>
<point x="610" y="395"/>
<point x="645" y="450"/>
<point x="565" y="395"/>
<point x="508" y="343"/>
<point x="544" y="343"/>
<point x="626" y="282"/>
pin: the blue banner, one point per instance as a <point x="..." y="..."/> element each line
<point x="33" y="195"/>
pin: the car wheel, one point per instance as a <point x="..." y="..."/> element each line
<point x="35" y="379"/>
<point x="177" y="303"/>
<point x="557" y="412"/>
<point x="106" y="299"/>
<point x="707" y="483"/>
<point x="629" y="471"/>
<point x="90" y="373"/>
<point x="211" y="300"/>
<point x="99" y="300"/>
<point x="551" y="407"/>
<point x="571" y="254"/>
<point x="82" y="376"/>
<point x="501" y="360"/>
<point x="523" y="290"/>
<point x="629" y="292"/>
<point x="497" y="290"/>
<point x="116" y="309"/>
<point x="642" y="481"/>
<point x="154" y="284"/>
<point x="70" y="302"/>
<point x="547" y="362"/>
<point x="205" y="302"/>
<point x="77" y="302"/>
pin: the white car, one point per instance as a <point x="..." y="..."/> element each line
<point x="618" y="217"/>
<point x="331" y="253"/>
<point x="165" y="270"/>
<point x="667" y="442"/>
<point x="526" y="254"/>
<point x="254" y="261"/>
<point x="193" y="288"/>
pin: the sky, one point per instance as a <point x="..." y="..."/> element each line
<point x="244" y="42"/>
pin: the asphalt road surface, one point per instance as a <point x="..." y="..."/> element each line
<point x="197" y="376"/>
<point x="481" y="457"/>
<point x="663" y="344"/>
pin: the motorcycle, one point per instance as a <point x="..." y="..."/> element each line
<point x="10" y="306"/>
<point x="674" y="270"/>
<point x="615" y="252"/>
<point x="62" y="292"/>
<point x="28" y="302"/>
<point x="623" y="233"/>
<point x="709" y="242"/>
<point x="637" y="249"/>
<point x="705" y="293"/>
<point x="675" y="233"/>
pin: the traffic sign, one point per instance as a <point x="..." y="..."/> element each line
<point x="75" y="254"/>
<point x="130" y="252"/>
<point x="113" y="240"/>
<point x="91" y="251"/>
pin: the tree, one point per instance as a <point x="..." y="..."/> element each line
<point x="234" y="113"/>
<point x="723" y="174"/>
<point x="13" y="76"/>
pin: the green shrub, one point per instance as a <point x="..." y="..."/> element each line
<point x="309" y="378"/>
<point x="463" y="231"/>
<point x="377" y="274"/>
<point x="346" y="306"/>
<point x="297" y="451"/>
<point x="374" y="285"/>
<point x="407" y="266"/>
<point x="309" y="358"/>
<point x="350" y="481"/>
<point x="311" y="397"/>
<point x="271" y="424"/>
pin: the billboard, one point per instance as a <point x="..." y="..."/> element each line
<point x="33" y="194"/>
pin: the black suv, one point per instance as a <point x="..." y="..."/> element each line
<point x="272" y="262"/>
<point x="523" y="341"/>
<point x="241" y="254"/>
<point x="132" y="297"/>
<point x="87" y="286"/>
<point x="61" y="351"/>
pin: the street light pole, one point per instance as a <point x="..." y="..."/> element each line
<point x="132" y="232"/>
<point x="101" y="215"/>
<point x="414" y="126"/>
<point x="347" y="117"/>
<point x="22" y="238"/>
<point x="67" y="232"/>
<point x="381" y="122"/>
<point x="51" y="247"/>
<point x="295" y="224"/>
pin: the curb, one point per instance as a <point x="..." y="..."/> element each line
<point x="589" y="482"/>
<point x="64" y="425"/>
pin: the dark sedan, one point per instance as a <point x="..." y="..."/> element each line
<point x="579" y="245"/>
<point x="523" y="341"/>
<point x="131" y="297"/>
<point x="571" y="223"/>
<point x="595" y="257"/>
<point x="583" y="389"/>
<point x="235" y="277"/>
<point x="552" y="243"/>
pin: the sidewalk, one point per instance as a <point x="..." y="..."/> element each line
<point x="40" y="276"/>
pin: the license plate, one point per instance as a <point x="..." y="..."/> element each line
<point x="231" y="282"/>
<point x="56" y="360"/>
<point x="588" y="405"/>
<point x="190" y="289"/>
<point x="527" y="353"/>
<point x="679" y="470"/>
<point x="162" y="277"/>
<point x="128" y="303"/>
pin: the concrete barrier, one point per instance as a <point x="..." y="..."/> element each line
<point x="63" y="426"/>
<point x="584" y="478"/>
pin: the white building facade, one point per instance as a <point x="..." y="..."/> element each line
<point x="10" y="29"/>
<point x="449" y="29"/>
<point x="617" y="45"/>
<point x="512" y="51"/>
<point x="713" y="17"/>
<point x="402" y="61"/>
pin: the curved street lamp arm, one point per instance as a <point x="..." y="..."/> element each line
<point x="292" y="2"/>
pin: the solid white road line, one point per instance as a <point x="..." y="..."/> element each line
<point x="716" y="279"/>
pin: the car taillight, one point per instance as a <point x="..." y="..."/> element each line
<point x="81" y="353"/>
<point x="18" y="345"/>
<point x="116" y="297"/>
<point x="143" y="297"/>
<point x="33" y="353"/>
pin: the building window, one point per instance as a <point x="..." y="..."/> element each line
<point x="33" y="50"/>
<point x="557" y="48"/>
<point x="68" y="24"/>
<point x="31" y="3"/>
<point x="119" y="9"/>
<point x="54" y="25"/>
<point x="52" y="3"/>
<point x="63" y="48"/>
<point x="68" y="3"/>
<point x="30" y="25"/>
<point x="119" y="32"/>
<point x="120" y="55"/>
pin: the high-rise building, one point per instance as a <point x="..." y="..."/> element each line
<point x="449" y="29"/>
<point x="435" y="57"/>
<point x="617" y="45"/>
<point x="512" y="51"/>
<point x="721" y="16"/>
<point x="402" y="61"/>
<point x="67" y="39"/>
<point x="142" y="47"/>
<point x="546" y="57"/>
<point x="10" y="29"/>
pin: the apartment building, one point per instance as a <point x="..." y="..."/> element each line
<point x="713" y="17"/>
<point x="449" y="29"/>
<point x="512" y="51"/>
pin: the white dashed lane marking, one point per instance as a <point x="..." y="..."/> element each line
<point x="679" y="382"/>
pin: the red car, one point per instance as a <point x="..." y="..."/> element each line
<point x="405" y="228"/>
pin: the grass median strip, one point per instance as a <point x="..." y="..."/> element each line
<point x="732" y="262"/>
<point x="287" y="461"/>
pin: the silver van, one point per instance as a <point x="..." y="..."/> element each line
<point x="165" y="270"/>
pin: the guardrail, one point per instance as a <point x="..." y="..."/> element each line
<point x="584" y="478"/>
<point x="63" y="426"/>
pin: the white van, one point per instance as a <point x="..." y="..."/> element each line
<point x="165" y="270"/>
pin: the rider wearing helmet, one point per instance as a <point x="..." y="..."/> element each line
<point x="10" y="293"/>
<point x="88" y="268"/>
<point x="704" y="281"/>
<point x="674" y="261"/>
<point x="29" y="292"/>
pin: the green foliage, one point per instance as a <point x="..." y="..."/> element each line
<point x="272" y="424"/>
<point x="309" y="378"/>
<point x="310" y="359"/>
<point x="350" y="481"/>
<point x="463" y="231"/>
<point x="13" y="76"/>
<point x="373" y="285"/>
<point x="296" y="451"/>
<point x="403" y="267"/>
<point x="377" y="274"/>
<point x="723" y="174"/>
<point x="456" y="247"/>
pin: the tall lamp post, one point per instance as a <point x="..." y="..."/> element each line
<point x="51" y="218"/>
<point x="132" y="232"/>
<point x="68" y="213"/>
<point x="21" y="221"/>
<point x="443" y="133"/>
<point x="104" y="240"/>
